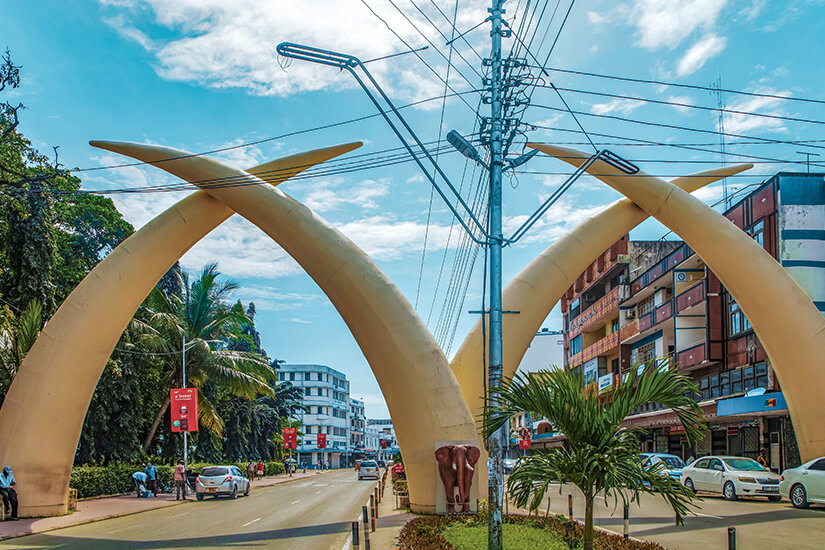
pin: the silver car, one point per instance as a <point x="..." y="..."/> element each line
<point x="368" y="468"/>
<point x="804" y="485"/>
<point x="732" y="476"/>
<point x="221" y="481"/>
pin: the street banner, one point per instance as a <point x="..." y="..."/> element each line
<point x="290" y="438"/>
<point x="322" y="441"/>
<point x="383" y="443"/>
<point x="184" y="409"/>
<point x="524" y="438"/>
<point x="525" y="443"/>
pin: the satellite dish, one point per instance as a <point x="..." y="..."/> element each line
<point x="755" y="391"/>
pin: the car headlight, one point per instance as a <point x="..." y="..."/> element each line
<point x="745" y="479"/>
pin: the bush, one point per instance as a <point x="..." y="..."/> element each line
<point x="427" y="532"/>
<point x="116" y="478"/>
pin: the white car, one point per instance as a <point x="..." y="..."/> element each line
<point x="804" y="485"/>
<point x="368" y="468"/>
<point x="221" y="480"/>
<point x="732" y="476"/>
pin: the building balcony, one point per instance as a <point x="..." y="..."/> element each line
<point x="692" y="356"/>
<point x="603" y="308"/>
<point x="660" y="268"/>
<point x="602" y="347"/>
<point x="644" y="325"/>
<point x="693" y="296"/>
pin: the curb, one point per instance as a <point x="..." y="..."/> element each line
<point x="119" y="515"/>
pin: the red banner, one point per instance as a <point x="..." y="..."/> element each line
<point x="322" y="441"/>
<point x="525" y="443"/>
<point x="383" y="443"/>
<point x="290" y="438"/>
<point x="184" y="409"/>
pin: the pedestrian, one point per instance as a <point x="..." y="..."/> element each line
<point x="251" y="469"/>
<point x="762" y="458"/>
<point x="151" y="478"/>
<point x="180" y="480"/>
<point x="8" y="491"/>
<point x="328" y="464"/>
<point x="318" y="468"/>
<point x="260" y="468"/>
<point x="304" y="466"/>
<point x="140" y="484"/>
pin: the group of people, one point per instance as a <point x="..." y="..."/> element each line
<point x="8" y="492"/>
<point x="256" y="470"/>
<point x="146" y="482"/>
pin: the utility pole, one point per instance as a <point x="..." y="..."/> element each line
<point x="185" y="432"/>
<point x="495" y="442"/>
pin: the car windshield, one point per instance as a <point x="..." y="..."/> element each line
<point x="369" y="464"/>
<point x="744" y="464"/>
<point x="672" y="461"/>
<point x="213" y="471"/>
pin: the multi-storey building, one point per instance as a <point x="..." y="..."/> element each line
<point x="326" y="404"/>
<point x="357" y="428"/>
<point x="381" y="438"/>
<point x="663" y="302"/>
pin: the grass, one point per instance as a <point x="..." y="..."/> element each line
<point x="515" y="536"/>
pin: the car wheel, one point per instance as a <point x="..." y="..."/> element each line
<point x="234" y="494"/>
<point x="689" y="485"/>
<point x="799" y="497"/>
<point x="248" y="488"/>
<point x="199" y="497"/>
<point x="729" y="491"/>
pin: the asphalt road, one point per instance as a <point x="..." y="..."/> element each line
<point x="310" y="514"/>
<point x="760" y="525"/>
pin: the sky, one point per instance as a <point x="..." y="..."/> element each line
<point x="200" y="75"/>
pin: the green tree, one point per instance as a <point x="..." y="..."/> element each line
<point x="17" y="335"/>
<point x="601" y="457"/>
<point x="202" y="316"/>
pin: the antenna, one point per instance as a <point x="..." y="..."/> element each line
<point x="720" y="103"/>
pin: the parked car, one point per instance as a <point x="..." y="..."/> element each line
<point x="732" y="476"/>
<point x="805" y="484"/>
<point x="672" y="464"/>
<point x="368" y="468"/>
<point x="221" y="481"/>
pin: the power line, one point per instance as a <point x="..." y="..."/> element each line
<point x="685" y="86"/>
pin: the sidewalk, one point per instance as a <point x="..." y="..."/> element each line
<point x="111" y="507"/>
<point x="389" y="522"/>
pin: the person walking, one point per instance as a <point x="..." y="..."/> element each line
<point x="8" y="491"/>
<point x="180" y="480"/>
<point x="251" y="469"/>
<point x="318" y="469"/>
<point x="260" y="469"/>
<point x="151" y="478"/>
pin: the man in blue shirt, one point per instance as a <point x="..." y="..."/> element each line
<point x="140" y="484"/>
<point x="152" y="476"/>
<point x="7" y="490"/>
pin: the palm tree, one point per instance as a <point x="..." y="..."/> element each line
<point x="601" y="457"/>
<point x="201" y="317"/>
<point x="17" y="336"/>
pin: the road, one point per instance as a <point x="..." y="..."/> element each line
<point x="760" y="525"/>
<point x="311" y="514"/>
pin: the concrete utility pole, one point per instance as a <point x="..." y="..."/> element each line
<point x="495" y="443"/>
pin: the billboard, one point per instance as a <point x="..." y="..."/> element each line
<point x="184" y="409"/>
<point x="290" y="438"/>
<point x="322" y="441"/>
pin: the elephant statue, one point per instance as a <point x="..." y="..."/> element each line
<point x="456" y="466"/>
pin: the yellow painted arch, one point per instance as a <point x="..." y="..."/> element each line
<point x="43" y="412"/>
<point x="783" y="316"/>
<point x="542" y="283"/>
<point x="410" y="368"/>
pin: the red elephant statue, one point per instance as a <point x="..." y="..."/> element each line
<point x="456" y="466"/>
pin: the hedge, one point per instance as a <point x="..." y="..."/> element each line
<point x="92" y="481"/>
<point x="425" y="532"/>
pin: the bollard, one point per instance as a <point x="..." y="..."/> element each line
<point x="366" y="527"/>
<point x="377" y="500"/>
<point x="356" y="545"/>
<point x="570" y="506"/>
<point x="373" y="512"/>
<point x="626" y="521"/>
<point x="731" y="538"/>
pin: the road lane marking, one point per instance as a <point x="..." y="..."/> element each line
<point x="318" y="492"/>
<point x="706" y="515"/>
<point x="296" y="502"/>
<point x="178" y="515"/>
<point x="125" y="528"/>
<point x="251" y="522"/>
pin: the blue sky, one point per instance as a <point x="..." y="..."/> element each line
<point x="200" y="75"/>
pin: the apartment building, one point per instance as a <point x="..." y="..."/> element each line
<point x="661" y="301"/>
<point x="357" y="428"/>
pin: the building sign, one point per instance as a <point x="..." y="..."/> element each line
<point x="591" y="371"/>
<point x="524" y="441"/>
<point x="184" y="409"/>
<point x="605" y="383"/>
<point x="290" y="438"/>
<point x="322" y="441"/>
<point x="383" y="443"/>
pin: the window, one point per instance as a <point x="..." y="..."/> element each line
<point x="281" y="376"/>
<point x="645" y="305"/>
<point x="575" y="308"/>
<point x="737" y="322"/>
<point x="702" y="463"/>
<point x="819" y="465"/>
<point x="716" y="464"/>
<point x="757" y="231"/>
<point x="293" y="376"/>
<point x="646" y="352"/>
<point x="576" y="345"/>
<point x="307" y="391"/>
<point x="615" y="325"/>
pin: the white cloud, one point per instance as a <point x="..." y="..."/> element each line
<point x="270" y="298"/>
<point x="387" y="239"/>
<point x="557" y="221"/>
<point x="749" y="13"/>
<point x="695" y="58"/>
<point x="736" y="123"/>
<point x="684" y="100"/>
<point x="665" y="23"/>
<point x="597" y="18"/>
<point x="620" y="106"/>
<point x="297" y="320"/>
<point x="223" y="44"/>
<point x="333" y="195"/>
